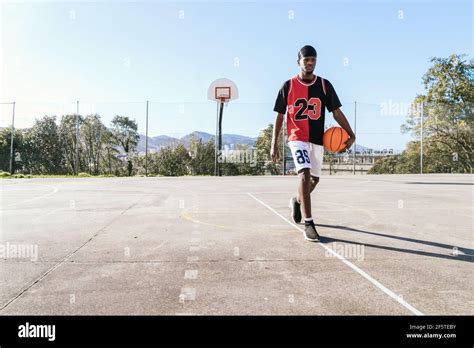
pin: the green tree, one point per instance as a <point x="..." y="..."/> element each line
<point x="448" y="114"/>
<point x="263" y="146"/>
<point x="94" y="137"/>
<point x="42" y="152"/>
<point x="408" y="162"/>
<point x="125" y="133"/>
<point x="170" y="161"/>
<point x="111" y="164"/>
<point x="250" y="163"/>
<point x="5" y="143"/>
<point x="435" y="160"/>
<point x="387" y="165"/>
<point x="202" y="157"/>
<point x="68" y="139"/>
<point x="230" y="169"/>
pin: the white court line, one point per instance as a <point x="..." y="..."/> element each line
<point x="187" y="294"/>
<point x="55" y="189"/>
<point x="350" y="264"/>
<point x="191" y="274"/>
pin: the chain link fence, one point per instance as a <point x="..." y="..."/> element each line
<point x="377" y="126"/>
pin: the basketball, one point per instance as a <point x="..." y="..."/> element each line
<point x="334" y="138"/>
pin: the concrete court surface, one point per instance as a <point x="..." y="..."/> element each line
<point x="391" y="244"/>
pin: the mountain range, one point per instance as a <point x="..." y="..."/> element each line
<point x="160" y="141"/>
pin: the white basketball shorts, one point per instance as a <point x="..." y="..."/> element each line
<point x="307" y="155"/>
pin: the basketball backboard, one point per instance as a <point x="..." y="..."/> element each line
<point x="222" y="90"/>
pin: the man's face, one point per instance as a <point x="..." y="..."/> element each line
<point x="307" y="64"/>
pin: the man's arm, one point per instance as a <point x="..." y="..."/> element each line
<point x="275" y="152"/>
<point x="342" y="120"/>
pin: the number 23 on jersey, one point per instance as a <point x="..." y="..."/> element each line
<point x="304" y="109"/>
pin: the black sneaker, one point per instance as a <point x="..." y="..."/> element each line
<point x="310" y="232"/>
<point x="295" y="210"/>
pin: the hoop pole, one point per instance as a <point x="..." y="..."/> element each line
<point x="215" y="139"/>
<point x="219" y="137"/>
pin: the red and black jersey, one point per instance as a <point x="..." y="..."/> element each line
<point x="306" y="103"/>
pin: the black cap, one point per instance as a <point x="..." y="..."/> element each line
<point x="307" y="51"/>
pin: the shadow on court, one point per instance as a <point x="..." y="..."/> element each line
<point x="468" y="257"/>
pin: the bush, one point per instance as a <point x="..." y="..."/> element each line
<point x="4" y="174"/>
<point x="18" y="176"/>
<point x="84" y="175"/>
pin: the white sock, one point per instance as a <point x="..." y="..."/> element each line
<point x="308" y="219"/>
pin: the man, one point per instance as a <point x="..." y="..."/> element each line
<point x="306" y="96"/>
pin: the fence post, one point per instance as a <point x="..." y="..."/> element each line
<point x="421" y="140"/>
<point x="12" y="139"/>
<point x="77" y="138"/>
<point x="283" y="131"/>
<point x="146" y="141"/>
<point x="355" y="142"/>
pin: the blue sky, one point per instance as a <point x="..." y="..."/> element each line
<point x="114" y="55"/>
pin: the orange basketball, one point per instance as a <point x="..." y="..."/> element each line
<point x="334" y="138"/>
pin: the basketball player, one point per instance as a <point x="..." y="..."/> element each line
<point x="305" y="97"/>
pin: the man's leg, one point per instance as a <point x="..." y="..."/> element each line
<point x="316" y="155"/>
<point x="300" y="152"/>
<point x="304" y="192"/>
<point x="314" y="182"/>
<point x="309" y="178"/>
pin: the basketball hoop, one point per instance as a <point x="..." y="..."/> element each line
<point x="225" y="101"/>
<point x="222" y="91"/>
